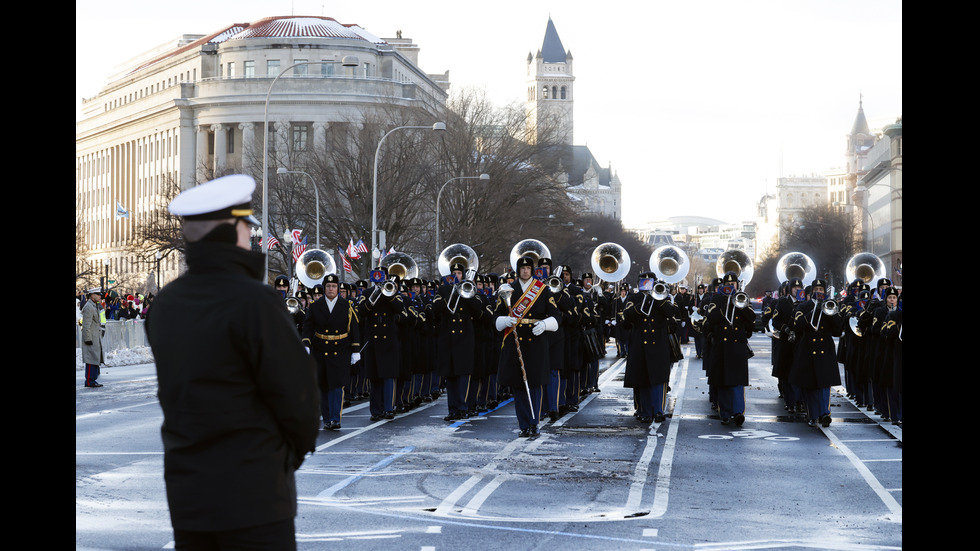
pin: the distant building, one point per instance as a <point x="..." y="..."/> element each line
<point x="592" y="188"/>
<point x="194" y="109"/>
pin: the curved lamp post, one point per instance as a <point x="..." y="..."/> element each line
<point x="439" y="126"/>
<point x="483" y="176"/>
<point x="347" y="61"/>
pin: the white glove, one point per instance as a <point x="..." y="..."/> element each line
<point x="537" y="328"/>
<point x="547" y="324"/>
<point x="307" y="349"/>
<point x="503" y="322"/>
<point x="612" y="322"/>
<point x="355" y="357"/>
<point x="683" y="324"/>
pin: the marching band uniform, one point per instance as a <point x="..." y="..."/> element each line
<point x="783" y="325"/>
<point x="699" y="301"/>
<point x="730" y="329"/>
<point x="556" y="343"/>
<point x="648" y="363"/>
<point x="884" y="367"/>
<point x="815" y="369"/>
<point x="891" y="331"/>
<point x="621" y="331"/>
<point x="456" y="341"/>
<point x="332" y="335"/>
<point x="524" y="342"/>
<point x="382" y="348"/>
<point x="594" y="306"/>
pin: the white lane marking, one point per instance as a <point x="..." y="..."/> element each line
<point x="865" y="473"/>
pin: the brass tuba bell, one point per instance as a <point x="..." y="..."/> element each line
<point x="401" y="265"/>
<point x="670" y="264"/>
<point x="796" y="265"/>
<point x="735" y="260"/>
<point x="313" y="265"/>
<point x="611" y="262"/>
<point x="457" y="252"/>
<point x="528" y="247"/>
<point x="865" y="266"/>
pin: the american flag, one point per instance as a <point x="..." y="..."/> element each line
<point x="361" y="247"/>
<point x="352" y="250"/>
<point x="273" y="242"/>
<point x="347" y="266"/>
<point x="298" y="248"/>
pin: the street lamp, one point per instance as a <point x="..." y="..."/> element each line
<point x="439" y="126"/>
<point x="347" y="61"/>
<point x="483" y="176"/>
<point x="157" y="256"/>
<point x="316" y="192"/>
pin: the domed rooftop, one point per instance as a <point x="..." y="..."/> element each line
<point x="289" y="26"/>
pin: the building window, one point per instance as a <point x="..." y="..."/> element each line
<point x="554" y="92"/>
<point x="272" y="67"/>
<point x="231" y="140"/>
<point x="300" y="134"/>
<point x="300" y="70"/>
<point x="545" y="92"/>
<point x="563" y="93"/>
<point x="231" y="69"/>
<point x="249" y="69"/>
<point x="326" y="69"/>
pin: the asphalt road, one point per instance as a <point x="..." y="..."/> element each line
<point x="595" y="479"/>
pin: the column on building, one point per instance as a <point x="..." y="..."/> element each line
<point x="220" y="148"/>
<point x="248" y="145"/>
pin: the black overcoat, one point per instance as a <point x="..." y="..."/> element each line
<point x="237" y="389"/>
<point x="332" y="338"/>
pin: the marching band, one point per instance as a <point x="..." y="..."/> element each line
<point x="536" y="334"/>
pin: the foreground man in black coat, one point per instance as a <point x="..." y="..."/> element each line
<point x="237" y="388"/>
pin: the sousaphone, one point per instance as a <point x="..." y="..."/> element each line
<point x="313" y="265"/>
<point x="611" y="262"/>
<point x="531" y="248"/>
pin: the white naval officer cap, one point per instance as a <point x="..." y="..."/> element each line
<point x="224" y="197"/>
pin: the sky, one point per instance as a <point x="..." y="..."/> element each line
<point x="697" y="106"/>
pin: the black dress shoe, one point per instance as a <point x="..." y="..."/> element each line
<point x="93" y="385"/>
<point x="377" y="417"/>
<point x="525" y="433"/>
<point x="534" y="430"/>
<point x="389" y="415"/>
<point x="659" y="418"/>
<point x="553" y="415"/>
<point x="573" y="408"/>
<point x="726" y="421"/>
<point x="825" y="420"/>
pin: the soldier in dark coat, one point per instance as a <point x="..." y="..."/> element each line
<point x="815" y="369"/>
<point x="331" y="333"/>
<point x="382" y="311"/>
<point x="236" y="386"/>
<point x="456" y="317"/>
<point x="783" y="325"/>
<point x="730" y="328"/>
<point x="648" y="364"/>
<point x="524" y="312"/>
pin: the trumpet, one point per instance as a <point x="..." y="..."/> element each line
<point x="555" y="283"/>
<point x="292" y="304"/>
<point x="387" y="290"/>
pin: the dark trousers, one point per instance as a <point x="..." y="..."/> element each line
<point x="91" y="373"/>
<point x="276" y="536"/>
<point x="331" y="404"/>
<point x="528" y="413"/>
<point x="382" y="396"/>
<point x="731" y="401"/>
<point x="457" y="389"/>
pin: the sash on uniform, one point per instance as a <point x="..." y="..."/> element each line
<point x="526" y="301"/>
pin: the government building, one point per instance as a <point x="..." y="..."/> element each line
<point x="195" y="109"/>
